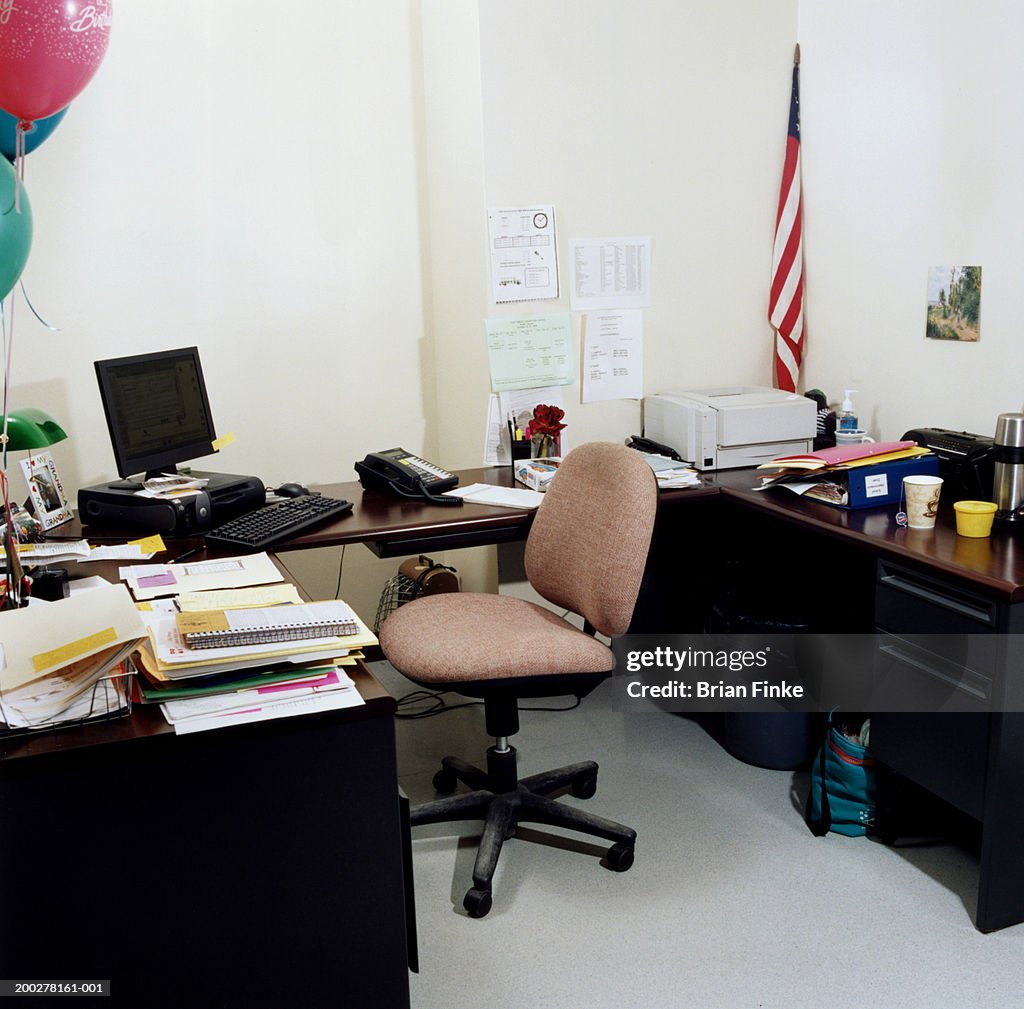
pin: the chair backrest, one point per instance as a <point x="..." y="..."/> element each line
<point x="588" y="544"/>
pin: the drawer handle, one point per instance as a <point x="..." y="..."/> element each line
<point x="901" y="584"/>
<point x="914" y="659"/>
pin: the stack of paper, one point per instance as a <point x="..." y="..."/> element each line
<point x="61" y="661"/>
<point x="817" y="475"/>
<point x="672" y="472"/>
<point x="208" y="687"/>
<point x="326" y="689"/>
<point x="166" y="656"/>
<point x="229" y="641"/>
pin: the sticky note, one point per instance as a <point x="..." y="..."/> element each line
<point x="73" y="649"/>
<point x="150" y="544"/>
<point x="152" y="581"/>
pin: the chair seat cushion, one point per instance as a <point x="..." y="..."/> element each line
<point x="463" y="636"/>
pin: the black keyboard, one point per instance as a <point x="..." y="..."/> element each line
<point x="278" y="521"/>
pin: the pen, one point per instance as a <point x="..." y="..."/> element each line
<point x="185" y="555"/>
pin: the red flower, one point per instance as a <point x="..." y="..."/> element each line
<point x="546" y="420"/>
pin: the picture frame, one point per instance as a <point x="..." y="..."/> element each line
<point x="954" y="304"/>
<point x="46" y="490"/>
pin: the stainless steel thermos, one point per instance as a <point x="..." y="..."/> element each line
<point x="1008" y="455"/>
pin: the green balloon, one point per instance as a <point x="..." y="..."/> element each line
<point x="15" y="228"/>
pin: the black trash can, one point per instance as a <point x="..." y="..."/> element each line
<point x="781" y="740"/>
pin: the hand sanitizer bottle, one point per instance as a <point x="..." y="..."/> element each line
<point x="847" y="416"/>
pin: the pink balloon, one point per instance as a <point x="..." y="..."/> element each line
<point x="49" y="51"/>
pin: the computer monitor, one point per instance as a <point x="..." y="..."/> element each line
<point x="157" y="411"/>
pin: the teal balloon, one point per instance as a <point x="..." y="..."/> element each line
<point x="34" y="135"/>
<point x="15" y="228"/>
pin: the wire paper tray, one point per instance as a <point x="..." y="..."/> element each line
<point x="109" y="698"/>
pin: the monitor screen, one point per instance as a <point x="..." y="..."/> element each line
<point x="157" y="410"/>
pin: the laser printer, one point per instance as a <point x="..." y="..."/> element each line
<point x="731" y="426"/>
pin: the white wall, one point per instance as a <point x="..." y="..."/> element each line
<point x="913" y="148"/>
<point x="245" y="177"/>
<point x="657" y="118"/>
<point x="302" y="192"/>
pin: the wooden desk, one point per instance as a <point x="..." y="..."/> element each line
<point x="907" y="582"/>
<point x="994" y="565"/>
<point x="392" y="526"/>
<point x="904" y="581"/>
<point x="257" y="865"/>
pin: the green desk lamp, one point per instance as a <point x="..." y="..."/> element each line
<point x="30" y="428"/>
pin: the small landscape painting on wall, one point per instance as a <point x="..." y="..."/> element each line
<point x="954" y="303"/>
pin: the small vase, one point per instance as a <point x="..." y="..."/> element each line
<point x="546" y="445"/>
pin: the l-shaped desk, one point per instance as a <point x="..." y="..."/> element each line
<point x="857" y="572"/>
<point x="857" y="565"/>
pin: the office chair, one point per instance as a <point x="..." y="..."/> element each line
<point x="586" y="552"/>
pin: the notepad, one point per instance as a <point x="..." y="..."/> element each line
<point x="501" y="497"/>
<point x="266" y="625"/>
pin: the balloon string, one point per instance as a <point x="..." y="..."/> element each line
<point x="3" y="330"/>
<point x="32" y="309"/>
<point x="20" y="133"/>
<point x="8" y="343"/>
<point x="10" y="590"/>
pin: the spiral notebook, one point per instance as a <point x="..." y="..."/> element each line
<point x="264" y="625"/>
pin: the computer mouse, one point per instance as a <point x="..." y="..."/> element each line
<point x="291" y="490"/>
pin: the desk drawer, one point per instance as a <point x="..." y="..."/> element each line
<point x="936" y="673"/>
<point x="910" y="601"/>
<point x="946" y="754"/>
<point x="937" y="637"/>
<point x="954" y="624"/>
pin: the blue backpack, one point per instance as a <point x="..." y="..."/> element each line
<point x="842" y="794"/>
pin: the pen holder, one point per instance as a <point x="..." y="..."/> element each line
<point x="521" y="450"/>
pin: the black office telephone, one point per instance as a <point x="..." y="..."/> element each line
<point x="407" y="475"/>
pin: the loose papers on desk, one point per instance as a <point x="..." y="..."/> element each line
<point x="51" y="552"/>
<point x="850" y="476"/>
<point x="237" y="599"/>
<point x="209" y="688"/>
<point x="54" y="655"/>
<point x="165" y="656"/>
<point x="169" y="486"/>
<point x="325" y="692"/>
<point x="500" y="497"/>
<point x="671" y="472"/>
<point x="150" y="581"/>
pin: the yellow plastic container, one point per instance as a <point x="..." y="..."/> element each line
<point x="974" y="518"/>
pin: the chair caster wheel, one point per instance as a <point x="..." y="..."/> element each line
<point x="619" y="857"/>
<point x="585" y="789"/>
<point x="445" y="782"/>
<point x="477" y="902"/>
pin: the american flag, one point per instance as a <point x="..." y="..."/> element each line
<point x="786" y="303"/>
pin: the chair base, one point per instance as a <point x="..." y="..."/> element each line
<point x="502" y="802"/>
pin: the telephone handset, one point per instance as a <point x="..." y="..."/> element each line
<point x="407" y="475"/>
